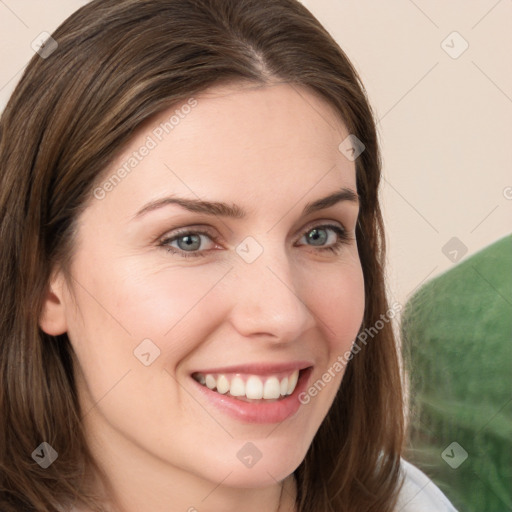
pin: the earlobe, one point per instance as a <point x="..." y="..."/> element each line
<point x="53" y="318"/>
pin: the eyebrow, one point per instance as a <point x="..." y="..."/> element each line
<point x="236" y="212"/>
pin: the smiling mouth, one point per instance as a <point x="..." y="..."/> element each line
<point x="251" y="388"/>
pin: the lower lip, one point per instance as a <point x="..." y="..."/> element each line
<point x="271" y="412"/>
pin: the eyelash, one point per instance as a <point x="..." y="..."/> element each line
<point x="343" y="238"/>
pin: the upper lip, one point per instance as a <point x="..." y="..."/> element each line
<point x="259" y="368"/>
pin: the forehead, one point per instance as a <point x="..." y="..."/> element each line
<point x="236" y="142"/>
<point x="282" y="114"/>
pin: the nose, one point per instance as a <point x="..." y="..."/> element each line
<point x="268" y="299"/>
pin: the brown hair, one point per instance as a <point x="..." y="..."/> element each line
<point x="117" y="63"/>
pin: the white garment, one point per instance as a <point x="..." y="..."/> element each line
<point x="420" y="494"/>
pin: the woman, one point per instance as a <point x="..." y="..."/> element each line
<point x="194" y="315"/>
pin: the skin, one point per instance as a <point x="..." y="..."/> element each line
<point x="270" y="150"/>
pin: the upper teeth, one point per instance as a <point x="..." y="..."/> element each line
<point x="251" y="386"/>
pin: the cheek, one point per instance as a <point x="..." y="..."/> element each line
<point x="118" y="314"/>
<point x="176" y="308"/>
<point x="121" y="304"/>
<point x="336" y="296"/>
<point x="337" y="300"/>
<point x="158" y="303"/>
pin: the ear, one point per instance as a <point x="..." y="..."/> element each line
<point x="53" y="318"/>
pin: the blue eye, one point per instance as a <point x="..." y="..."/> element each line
<point x="315" y="235"/>
<point x="189" y="242"/>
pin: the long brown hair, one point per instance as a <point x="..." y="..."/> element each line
<point x="117" y="63"/>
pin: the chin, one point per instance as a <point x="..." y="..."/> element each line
<point x="260" y="463"/>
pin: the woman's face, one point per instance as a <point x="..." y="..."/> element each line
<point x="170" y="301"/>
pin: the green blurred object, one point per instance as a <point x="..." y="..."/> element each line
<point x="457" y="337"/>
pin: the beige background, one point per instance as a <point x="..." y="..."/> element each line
<point x="444" y="123"/>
